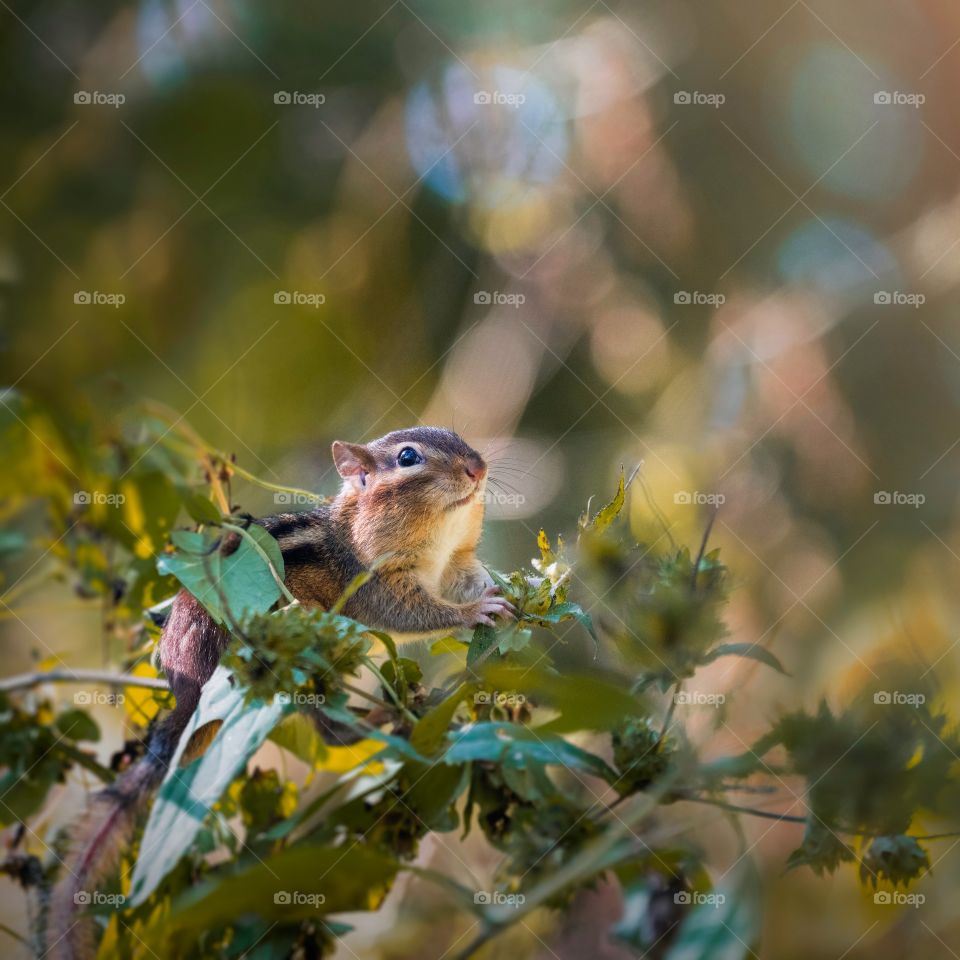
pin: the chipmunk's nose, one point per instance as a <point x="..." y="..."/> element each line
<point x="474" y="466"/>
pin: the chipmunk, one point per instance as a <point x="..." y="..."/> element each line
<point x="410" y="508"/>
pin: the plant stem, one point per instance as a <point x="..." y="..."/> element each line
<point x="375" y="670"/>
<point x="24" y="680"/>
<point x="669" y="714"/>
<point x="753" y="811"/>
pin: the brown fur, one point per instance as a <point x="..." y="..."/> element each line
<point x="419" y="525"/>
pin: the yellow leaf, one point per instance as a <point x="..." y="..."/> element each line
<point x="141" y="702"/>
<point x="343" y="759"/>
<point x="135" y="519"/>
<point x="110" y="942"/>
<point x="448" y="645"/>
<point x="288" y="799"/>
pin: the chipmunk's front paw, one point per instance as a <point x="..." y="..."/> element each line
<point x="491" y="604"/>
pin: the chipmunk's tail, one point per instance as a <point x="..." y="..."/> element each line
<point x="96" y="843"/>
<point x="189" y="651"/>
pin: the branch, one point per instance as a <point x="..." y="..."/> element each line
<point x="753" y="811"/>
<point x="23" y="680"/>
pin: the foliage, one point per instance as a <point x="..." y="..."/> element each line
<point x="480" y="735"/>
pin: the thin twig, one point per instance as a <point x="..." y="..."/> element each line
<point x="24" y="680"/>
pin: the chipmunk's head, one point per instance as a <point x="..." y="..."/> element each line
<point x="421" y="472"/>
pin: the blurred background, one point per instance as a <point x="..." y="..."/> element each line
<point x="721" y="239"/>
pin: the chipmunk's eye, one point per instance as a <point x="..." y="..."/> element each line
<point x="408" y="457"/>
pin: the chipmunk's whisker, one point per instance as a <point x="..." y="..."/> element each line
<point x="501" y="484"/>
<point x="514" y="471"/>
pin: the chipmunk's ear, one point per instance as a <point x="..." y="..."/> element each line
<point x="353" y="462"/>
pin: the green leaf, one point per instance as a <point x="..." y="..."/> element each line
<point x="751" y="651"/>
<point x="200" y="508"/>
<point x="429" y="733"/>
<point x="240" y="583"/>
<point x="298" y="734"/>
<point x="402" y="673"/>
<point x="513" y="638"/>
<point x="288" y="887"/>
<point x="435" y="788"/>
<point x="186" y="796"/>
<point x="585" y="702"/>
<point x="513" y="744"/>
<point x="484" y="638"/>
<point x="78" y="725"/>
